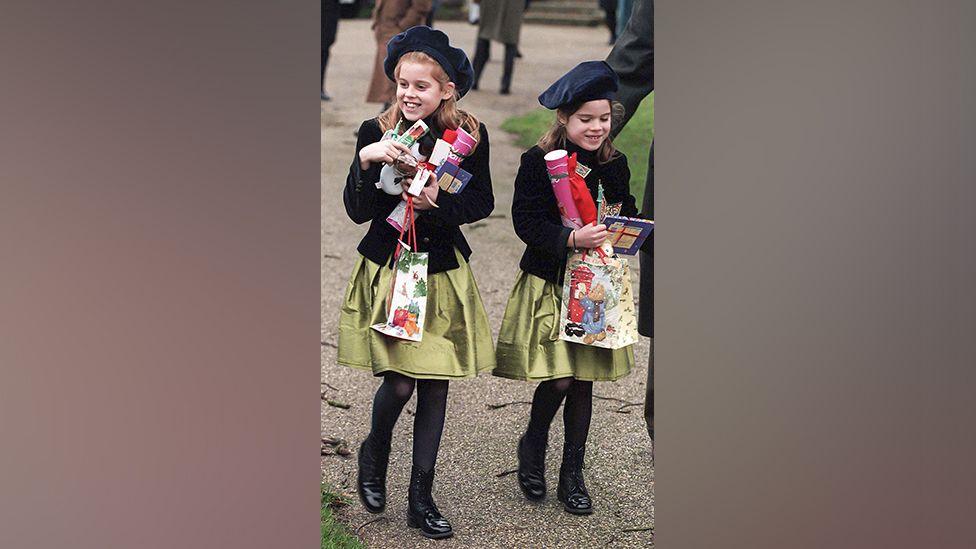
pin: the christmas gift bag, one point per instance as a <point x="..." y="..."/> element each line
<point x="598" y="303"/>
<point x="406" y="301"/>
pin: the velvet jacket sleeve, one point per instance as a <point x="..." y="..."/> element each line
<point x="359" y="194"/>
<point x="477" y="200"/>
<point x="532" y="206"/>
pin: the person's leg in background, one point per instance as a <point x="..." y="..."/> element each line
<point x="624" y="8"/>
<point x="508" y="67"/>
<point x="330" y="25"/>
<point x="430" y="16"/>
<point x="482" y="51"/>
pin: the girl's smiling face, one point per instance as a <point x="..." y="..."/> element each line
<point x="589" y="126"/>
<point x="418" y="92"/>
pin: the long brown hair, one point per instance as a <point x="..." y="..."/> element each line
<point x="447" y="115"/>
<point x="555" y="137"/>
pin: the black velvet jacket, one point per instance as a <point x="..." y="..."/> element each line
<point x="535" y="212"/>
<point x="438" y="229"/>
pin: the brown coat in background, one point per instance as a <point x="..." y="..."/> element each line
<point x="390" y="18"/>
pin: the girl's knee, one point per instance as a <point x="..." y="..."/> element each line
<point x="434" y="388"/>
<point x="561" y="385"/>
<point x="402" y="385"/>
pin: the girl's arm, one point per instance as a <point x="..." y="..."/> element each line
<point x="359" y="195"/>
<point x="477" y="200"/>
<point x="531" y="207"/>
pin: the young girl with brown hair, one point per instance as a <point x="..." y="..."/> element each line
<point x="529" y="348"/>
<point x="430" y="76"/>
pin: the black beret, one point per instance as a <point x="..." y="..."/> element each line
<point x="585" y="82"/>
<point x="435" y="44"/>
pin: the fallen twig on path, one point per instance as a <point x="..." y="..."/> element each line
<point x="368" y="522"/>
<point x="504" y="404"/>
<point x="643" y="529"/>
<point x="329" y="386"/>
<point x="338" y="404"/>
<point x="620" y="400"/>
<point x="332" y="256"/>
<point x="623" y="409"/>
<point x="330" y="344"/>
<point x="506" y="473"/>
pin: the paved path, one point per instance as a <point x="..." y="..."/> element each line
<point x="486" y="510"/>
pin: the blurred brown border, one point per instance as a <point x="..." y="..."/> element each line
<point x="815" y="267"/>
<point x="159" y="225"/>
<point x="814" y="270"/>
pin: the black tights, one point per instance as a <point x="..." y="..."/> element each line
<point x="576" y="415"/>
<point x="428" y="423"/>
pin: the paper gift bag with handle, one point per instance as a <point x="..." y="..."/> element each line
<point x="598" y="303"/>
<point x="406" y="301"/>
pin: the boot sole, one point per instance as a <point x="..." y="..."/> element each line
<point x="369" y="509"/>
<point x="416" y="525"/>
<point x="530" y="497"/>
<point x="577" y="511"/>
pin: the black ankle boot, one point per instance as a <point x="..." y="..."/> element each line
<point x="421" y="511"/>
<point x="532" y="467"/>
<point x="371" y="481"/>
<point x="572" y="491"/>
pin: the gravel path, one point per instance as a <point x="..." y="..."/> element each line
<point x="485" y="509"/>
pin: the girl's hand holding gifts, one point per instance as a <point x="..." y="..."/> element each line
<point x="590" y="236"/>
<point x="385" y="152"/>
<point x="428" y="196"/>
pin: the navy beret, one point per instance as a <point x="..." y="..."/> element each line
<point x="435" y="44"/>
<point x="585" y="82"/>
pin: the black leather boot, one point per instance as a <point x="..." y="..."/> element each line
<point x="371" y="481"/>
<point x="572" y="491"/>
<point x="421" y="511"/>
<point x="532" y="467"/>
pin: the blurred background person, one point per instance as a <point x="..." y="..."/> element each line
<point x="609" y="8"/>
<point x="501" y="21"/>
<point x="632" y="58"/>
<point x="330" y="24"/>
<point x="390" y="18"/>
<point x="430" y="16"/>
<point x="624" y="7"/>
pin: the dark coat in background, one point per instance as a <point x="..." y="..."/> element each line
<point x="501" y="20"/>
<point x="390" y="18"/>
<point x="632" y="59"/>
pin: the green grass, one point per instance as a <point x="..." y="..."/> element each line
<point x="634" y="140"/>
<point x="336" y="535"/>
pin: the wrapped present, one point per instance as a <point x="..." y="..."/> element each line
<point x="451" y="177"/>
<point x="627" y="234"/>
<point x="581" y="194"/>
<point x="557" y="164"/>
